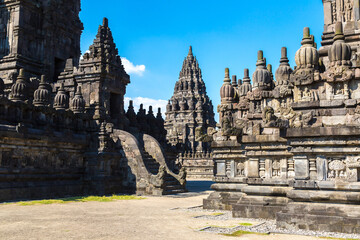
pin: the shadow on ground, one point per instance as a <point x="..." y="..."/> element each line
<point x="195" y="188"/>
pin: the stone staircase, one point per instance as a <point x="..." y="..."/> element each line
<point x="171" y="185"/>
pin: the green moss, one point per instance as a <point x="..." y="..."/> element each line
<point x="240" y="233"/>
<point x="245" y="224"/>
<point x="79" y="199"/>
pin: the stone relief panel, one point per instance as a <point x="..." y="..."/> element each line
<point x="336" y="169"/>
<point x="353" y="168"/>
<point x="342" y="10"/>
<point x="240" y="169"/>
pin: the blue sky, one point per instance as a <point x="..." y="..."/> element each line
<point x="228" y="33"/>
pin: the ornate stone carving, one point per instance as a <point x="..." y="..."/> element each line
<point x="337" y="169"/>
<point x="240" y="167"/>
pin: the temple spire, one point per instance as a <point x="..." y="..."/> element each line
<point x="190" y="51"/>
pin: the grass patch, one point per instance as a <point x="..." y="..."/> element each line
<point x="240" y="233"/>
<point x="217" y="214"/>
<point x="245" y="224"/>
<point x="78" y="199"/>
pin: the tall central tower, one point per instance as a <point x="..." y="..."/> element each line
<point x="39" y="36"/>
<point x="190" y="108"/>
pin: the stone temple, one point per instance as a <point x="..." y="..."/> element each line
<point x="189" y="111"/>
<point x="63" y="127"/>
<point x="288" y="148"/>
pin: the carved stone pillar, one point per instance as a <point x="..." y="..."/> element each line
<point x="313" y="174"/>
<point x="262" y="168"/>
<point x="291" y="168"/>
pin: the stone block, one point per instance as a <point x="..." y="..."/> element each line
<point x="302" y="171"/>
<point x="253" y="168"/>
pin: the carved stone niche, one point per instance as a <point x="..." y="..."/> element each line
<point x="302" y="168"/>
<point x="337" y="169"/>
<point x="276" y="168"/>
<point x="305" y="94"/>
<point x="240" y="169"/>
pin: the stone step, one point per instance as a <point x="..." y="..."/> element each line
<point x="173" y="192"/>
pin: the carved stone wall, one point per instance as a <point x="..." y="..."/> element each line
<point x="290" y="150"/>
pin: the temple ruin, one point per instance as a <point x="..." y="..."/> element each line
<point x="189" y="111"/>
<point x="63" y="127"/>
<point x="288" y="148"/>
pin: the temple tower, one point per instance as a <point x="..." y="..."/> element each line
<point x="102" y="78"/>
<point x="39" y="36"/>
<point x="189" y="109"/>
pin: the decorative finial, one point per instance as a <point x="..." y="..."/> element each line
<point x="131" y="103"/>
<point x="269" y="68"/>
<point x="260" y="55"/>
<point x="141" y="106"/>
<point x="190" y="51"/>
<point x="284" y="59"/>
<point x="246" y="73"/>
<point x="307" y="39"/>
<point x="306" y="32"/>
<point x="227" y="76"/>
<point x="234" y="80"/>
<point x="22" y="73"/>
<point x="283" y="52"/>
<point x="105" y="22"/>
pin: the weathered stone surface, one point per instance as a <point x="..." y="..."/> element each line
<point x="65" y="135"/>
<point x="293" y="141"/>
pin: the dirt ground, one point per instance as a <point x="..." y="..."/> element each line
<point x="151" y="218"/>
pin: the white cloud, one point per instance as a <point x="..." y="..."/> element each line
<point x="130" y="68"/>
<point x="155" y="103"/>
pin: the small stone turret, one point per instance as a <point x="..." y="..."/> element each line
<point x="284" y="71"/>
<point x="227" y="91"/>
<point x="42" y="94"/>
<point x="339" y="52"/>
<point x="262" y="77"/>
<point x="307" y="56"/>
<point x="61" y="100"/>
<point x="78" y="102"/>
<point x="19" y="88"/>
<point x="131" y="115"/>
<point x="168" y="107"/>
<point x="246" y="85"/>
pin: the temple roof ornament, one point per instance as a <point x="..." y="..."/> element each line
<point x="284" y="71"/>
<point x="262" y="77"/>
<point x="339" y="52"/>
<point x="19" y="88"/>
<point x="340" y="58"/>
<point x="61" y="100"/>
<point x="307" y="61"/>
<point x="42" y="94"/>
<point x="246" y="85"/>
<point x="78" y="102"/>
<point x="227" y="92"/>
